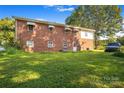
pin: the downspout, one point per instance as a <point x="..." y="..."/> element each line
<point x="15" y="30"/>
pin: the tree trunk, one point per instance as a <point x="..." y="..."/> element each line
<point x="96" y="38"/>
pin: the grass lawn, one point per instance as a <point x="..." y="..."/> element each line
<point x="81" y="69"/>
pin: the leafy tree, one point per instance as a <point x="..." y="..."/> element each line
<point x="7" y="32"/>
<point x="106" y="20"/>
<point x="7" y="24"/>
<point x="121" y="40"/>
<point x="7" y="38"/>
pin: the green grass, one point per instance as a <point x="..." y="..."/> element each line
<point x="81" y="69"/>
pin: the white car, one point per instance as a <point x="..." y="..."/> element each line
<point x="2" y="48"/>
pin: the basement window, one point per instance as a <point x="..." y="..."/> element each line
<point x="50" y="44"/>
<point x="65" y="45"/>
<point x="86" y="34"/>
<point x="30" y="43"/>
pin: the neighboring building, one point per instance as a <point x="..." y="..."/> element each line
<point x="39" y="36"/>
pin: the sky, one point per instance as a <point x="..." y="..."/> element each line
<point x="47" y="13"/>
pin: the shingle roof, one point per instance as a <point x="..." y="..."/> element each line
<point x="51" y="23"/>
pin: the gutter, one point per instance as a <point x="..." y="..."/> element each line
<point x="52" y="23"/>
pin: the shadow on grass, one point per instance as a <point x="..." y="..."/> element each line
<point x="61" y="70"/>
<point x="119" y="54"/>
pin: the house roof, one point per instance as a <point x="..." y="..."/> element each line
<point x="38" y="21"/>
<point x="51" y="23"/>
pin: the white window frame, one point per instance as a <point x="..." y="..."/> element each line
<point x="86" y="34"/>
<point x="50" y="44"/>
<point x="90" y="35"/>
<point x="30" y="43"/>
<point x="51" y="27"/>
<point x="29" y="29"/>
<point x="65" y="44"/>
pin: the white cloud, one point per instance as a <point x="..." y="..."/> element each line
<point x="61" y="8"/>
<point x="65" y="9"/>
<point x="40" y="19"/>
<point x="46" y="6"/>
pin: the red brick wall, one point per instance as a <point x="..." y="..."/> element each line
<point x="41" y="35"/>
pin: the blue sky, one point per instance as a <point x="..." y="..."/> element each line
<point x="48" y="13"/>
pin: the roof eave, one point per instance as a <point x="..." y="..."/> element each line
<point x="51" y="23"/>
<point x="38" y="21"/>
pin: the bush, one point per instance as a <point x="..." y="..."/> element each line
<point x="11" y="50"/>
<point x="122" y="49"/>
<point x="2" y="53"/>
<point x="119" y="54"/>
<point x="6" y="38"/>
<point x="121" y="40"/>
<point x="17" y="45"/>
<point x="101" y="47"/>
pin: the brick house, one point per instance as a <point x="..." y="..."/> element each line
<point x="39" y="36"/>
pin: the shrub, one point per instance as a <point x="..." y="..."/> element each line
<point x="101" y="47"/>
<point x="121" y="40"/>
<point x="122" y="49"/>
<point x="118" y="54"/>
<point x="17" y="45"/>
<point x="6" y="38"/>
<point x="11" y="50"/>
<point x="2" y="53"/>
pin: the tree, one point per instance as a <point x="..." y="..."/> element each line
<point x="106" y="20"/>
<point x="121" y="40"/>
<point x="7" y="24"/>
<point x="7" y="32"/>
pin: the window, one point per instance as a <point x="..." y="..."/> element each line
<point x="30" y="28"/>
<point x="67" y="30"/>
<point x="65" y="45"/>
<point x="30" y="43"/>
<point x="50" y="44"/>
<point x="51" y="27"/>
<point x="86" y="34"/>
